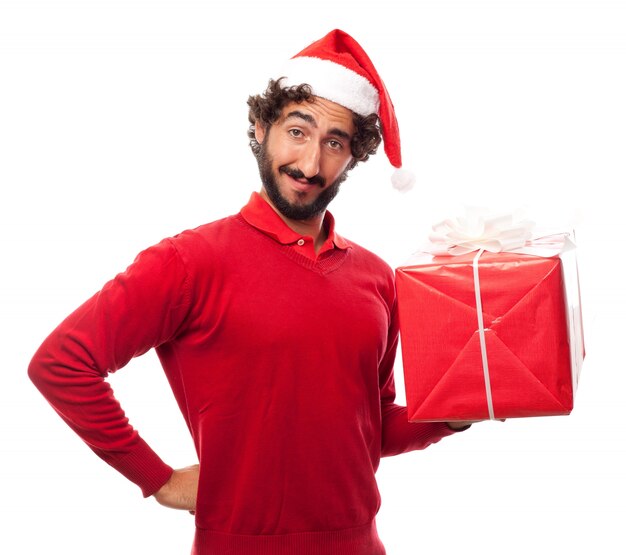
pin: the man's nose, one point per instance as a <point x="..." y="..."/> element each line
<point x="309" y="162"/>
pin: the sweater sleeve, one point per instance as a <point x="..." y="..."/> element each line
<point x="137" y="310"/>
<point x="398" y="434"/>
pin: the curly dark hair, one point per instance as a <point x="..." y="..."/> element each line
<point x="267" y="107"/>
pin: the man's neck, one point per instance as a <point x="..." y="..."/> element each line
<point x="313" y="227"/>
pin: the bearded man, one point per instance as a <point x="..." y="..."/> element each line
<point x="276" y="334"/>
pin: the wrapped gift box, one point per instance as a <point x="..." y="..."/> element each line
<point x="528" y="360"/>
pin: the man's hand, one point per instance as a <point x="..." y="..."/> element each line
<point x="460" y="424"/>
<point x="181" y="490"/>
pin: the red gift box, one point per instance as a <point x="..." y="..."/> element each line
<point x="531" y="352"/>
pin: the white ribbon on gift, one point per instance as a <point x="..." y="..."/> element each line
<point x="481" y="231"/>
<point x="481" y="335"/>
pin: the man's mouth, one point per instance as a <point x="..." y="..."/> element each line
<point x="299" y="176"/>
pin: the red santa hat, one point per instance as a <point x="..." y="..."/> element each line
<point x="339" y="70"/>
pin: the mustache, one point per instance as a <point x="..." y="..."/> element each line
<point x="297" y="174"/>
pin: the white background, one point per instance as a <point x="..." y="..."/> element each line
<point x="124" y="122"/>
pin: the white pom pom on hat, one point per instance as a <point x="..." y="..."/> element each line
<point x="403" y="180"/>
<point x="337" y="68"/>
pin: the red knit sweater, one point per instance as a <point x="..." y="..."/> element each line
<point x="281" y="363"/>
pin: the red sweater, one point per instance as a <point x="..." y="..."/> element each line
<point x="281" y="363"/>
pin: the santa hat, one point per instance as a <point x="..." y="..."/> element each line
<point x="339" y="70"/>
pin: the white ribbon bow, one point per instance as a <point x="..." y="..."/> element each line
<point x="479" y="231"/>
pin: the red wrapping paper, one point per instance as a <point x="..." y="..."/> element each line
<point x="526" y="335"/>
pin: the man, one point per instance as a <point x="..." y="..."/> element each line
<point x="276" y="334"/>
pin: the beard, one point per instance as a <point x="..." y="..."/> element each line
<point x="295" y="211"/>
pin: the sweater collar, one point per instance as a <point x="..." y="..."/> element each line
<point x="258" y="213"/>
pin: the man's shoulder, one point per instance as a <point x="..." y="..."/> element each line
<point x="202" y="242"/>
<point x="207" y="234"/>
<point x="366" y="256"/>
<point x="371" y="267"/>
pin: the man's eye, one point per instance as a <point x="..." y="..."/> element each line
<point x="335" y="145"/>
<point x="295" y="132"/>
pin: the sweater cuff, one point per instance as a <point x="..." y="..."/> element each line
<point x="142" y="466"/>
<point x="427" y="433"/>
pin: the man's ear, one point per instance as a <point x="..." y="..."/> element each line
<point x="259" y="132"/>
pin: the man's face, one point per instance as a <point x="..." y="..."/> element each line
<point x="304" y="156"/>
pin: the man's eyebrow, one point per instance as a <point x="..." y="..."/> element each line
<point x="340" y="133"/>
<point x="306" y="117"/>
<point x="310" y="119"/>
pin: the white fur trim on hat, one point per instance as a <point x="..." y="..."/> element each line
<point x="333" y="82"/>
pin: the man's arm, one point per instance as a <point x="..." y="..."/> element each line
<point x="139" y="309"/>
